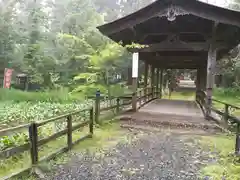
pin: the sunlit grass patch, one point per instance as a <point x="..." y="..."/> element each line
<point x="188" y="95"/>
<point x="227" y="164"/>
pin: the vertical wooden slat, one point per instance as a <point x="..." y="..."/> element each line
<point x="161" y="83"/>
<point x="145" y="81"/>
<point x="134" y="94"/>
<point x="118" y="106"/>
<point x="226" y="113"/>
<point x="140" y="97"/>
<point x="97" y="108"/>
<point x="237" y="146"/>
<point x="33" y="137"/>
<point x="157" y="83"/>
<point x="69" y="133"/>
<point x="91" y="123"/>
<point x="152" y="80"/>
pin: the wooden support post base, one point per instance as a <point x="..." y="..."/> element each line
<point x="134" y="94"/>
<point x="237" y="146"/>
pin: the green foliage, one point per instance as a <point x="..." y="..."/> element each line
<point x="13" y="114"/>
<point x="136" y="46"/>
<point x="90" y="89"/>
<point x="227" y="92"/>
<point x="58" y="96"/>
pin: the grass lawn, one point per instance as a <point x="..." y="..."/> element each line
<point x="190" y="95"/>
<point x="181" y="96"/>
<point x="227" y="165"/>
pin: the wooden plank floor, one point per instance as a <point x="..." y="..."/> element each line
<point x="170" y="112"/>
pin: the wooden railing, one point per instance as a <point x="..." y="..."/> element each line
<point x="123" y="103"/>
<point x="226" y="114"/>
<point x="35" y="141"/>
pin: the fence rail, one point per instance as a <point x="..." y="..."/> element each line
<point x="35" y="142"/>
<point x="226" y="115"/>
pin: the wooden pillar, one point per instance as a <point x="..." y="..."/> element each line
<point x="161" y="83"/>
<point x="134" y="80"/>
<point x="152" y="79"/>
<point x="201" y="79"/>
<point x="146" y="70"/>
<point x="211" y="65"/>
<point x="129" y="82"/>
<point x="152" y="75"/>
<point x="157" y="83"/>
<point x="198" y="80"/>
<point x="204" y="78"/>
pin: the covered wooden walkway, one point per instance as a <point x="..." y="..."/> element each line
<point x="176" y="34"/>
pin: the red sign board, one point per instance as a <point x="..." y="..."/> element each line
<point x="7" y="78"/>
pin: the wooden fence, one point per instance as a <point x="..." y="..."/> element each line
<point x="123" y="103"/>
<point x="226" y="113"/>
<point x="34" y="142"/>
<point x="115" y="104"/>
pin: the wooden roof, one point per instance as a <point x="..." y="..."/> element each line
<point x="172" y="27"/>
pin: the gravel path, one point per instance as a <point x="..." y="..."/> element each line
<point x="154" y="156"/>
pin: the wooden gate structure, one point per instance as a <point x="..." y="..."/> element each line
<point x="178" y="34"/>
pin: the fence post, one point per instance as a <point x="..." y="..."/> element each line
<point x="134" y="101"/>
<point x="118" y="105"/>
<point x="152" y="92"/>
<point x="69" y="133"/>
<point x="208" y="109"/>
<point x="97" y="106"/>
<point x="226" y="114"/>
<point x="33" y="137"/>
<point x="237" y="146"/>
<point x="91" y="121"/>
<point x="149" y="93"/>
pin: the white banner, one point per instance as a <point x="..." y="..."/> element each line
<point x="135" y="65"/>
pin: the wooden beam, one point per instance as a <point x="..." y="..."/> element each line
<point x="179" y="46"/>
<point x="160" y="8"/>
<point x="176" y="62"/>
<point x="212" y="12"/>
<point x="131" y="20"/>
<point x="178" y="67"/>
<point x="167" y="33"/>
<point x="149" y="58"/>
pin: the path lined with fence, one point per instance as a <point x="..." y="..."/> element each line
<point x="152" y="112"/>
